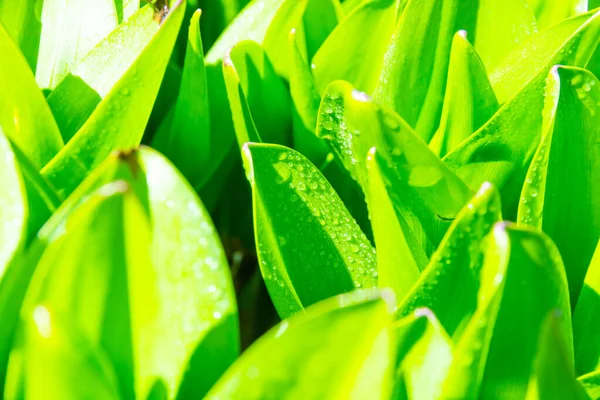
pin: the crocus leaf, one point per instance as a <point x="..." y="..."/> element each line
<point x="24" y="115"/>
<point x="560" y="195"/>
<point x="424" y="355"/>
<point x="416" y="62"/>
<point x="250" y="24"/>
<point x="126" y="8"/>
<point x="585" y="333"/>
<point x="351" y="55"/>
<point x="203" y="337"/>
<point x="245" y="127"/>
<point x="42" y="200"/>
<point x="313" y="20"/>
<point x="97" y="74"/>
<point x="13" y="205"/>
<point x="349" y="5"/>
<point x="551" y="13"/>
<point x="349" y="191"/>
<point x="309" y="247"/>
<point x="469" y="101"/>
<point x="318" y="21"/>
<point x="101" y="284"/>
<point x="186" y="140"/>
<point x="591" y="384"/>
<point x="69" y="31"/>
<point x="306" y="101"/>
<point x="262" y="90"/>
<point x="571" y="42"/>
<point x="394" y="238"/>
<point x="59" y="362"/>
<point x="554" y="374"/>
<point x="119" y="120"/>
<point x="450" y="283"/>
<point x="501" y="150"/>
<point x="514" y="17"/>
<point x="350" y="358"/>
<point x="423" y="190"/>
<point x="22" y="20"/>
<point x="150" y="278"/>
<point x="486" y="362"/>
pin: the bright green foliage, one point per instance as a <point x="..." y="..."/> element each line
<point x="372" y="199"/>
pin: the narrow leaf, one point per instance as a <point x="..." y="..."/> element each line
<point x="351" y="55"/>
<point x="119" y="120"/>
<point x="416" y="63"/>
<point x="24" y="115"/>
<point x="560" y="195"/>
<point x="450" y="283"/>
<point x="469" y="101"/>
<point x="186" y="140"/>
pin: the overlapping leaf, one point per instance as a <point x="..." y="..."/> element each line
<point x="351" y="357"/>
<point x="309" y="247"/>
<point x="560" y="195"/>
<point x="119" y="120"/>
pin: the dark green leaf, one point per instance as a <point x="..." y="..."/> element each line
<point x="309" y="247"/>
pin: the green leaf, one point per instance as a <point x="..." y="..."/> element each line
<point x="13" y="205"/>
<point x="69" y="32"/>
<point x="126" y="8"/>
<point x="411" y="193"/>
<point x="245" y="128"/>
<point x="119" y="120"/>
<point x="416" y="62"/>
<point x="258" y="98"/>
<point x="469" y="101"/>
<point x="572" y="42"/>
<point x="190" y="275"/>
<point x="309" y="247"/>
<point x="349" y="358"/>
<point x="42" y="200"/>
<point x="250" y="24"/>
<point x="351" y="55"/>
<point x="98" y="73"/>
<point x="591" y="384"/>
<point x="501" y="150"/>
<point x="554" y="373"/>
<point x="98" y="300"/>
<point x="551" y="13"/>
<point x="306" y="101"/>
<point x="349" y="191"/>
<point x="22" y="20"/>
<point x="313" y="20"/>
<point x="186" y="140"/>
<point x="24" y="115"/>
<point x="560" y="194"/>
<point x="424" y="356"/>
<point x="163" y="259"/>
<point x="394" y="238"/>
<point x="487" y="363"/>
<point x="501" y="26"/>
<point x="585" y="320"/>
<point x="450" y="283"/>
<point x="61" y="363"/>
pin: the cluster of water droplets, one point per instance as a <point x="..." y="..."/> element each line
<point x="301" y="182"/>
<point x="584" y="87"/>
<point x="333" y="126"/>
